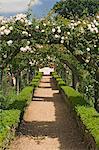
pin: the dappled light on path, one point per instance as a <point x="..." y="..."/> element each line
<point x="48" y="124"/>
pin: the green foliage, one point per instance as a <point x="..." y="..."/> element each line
<point x="22" y="99"/>
<point x="75" y="97"/>
<point x="10" y="118"/>
<point x="58" y="79"/>
<point x="77" y="8"/>
<point x="2" y="101"/>
<point x="61" y="83"/>
<point x="90" y="119"/>
<point x="88" y="115"/>
<point x="36" y="80"/>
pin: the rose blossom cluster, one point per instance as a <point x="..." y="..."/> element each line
<point x="25" y="49"/>
<point x="5" y="30"/>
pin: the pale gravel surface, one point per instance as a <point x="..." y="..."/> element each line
<point x="48" y="124"/>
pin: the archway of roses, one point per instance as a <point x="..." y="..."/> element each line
<point x="66" y="43"/>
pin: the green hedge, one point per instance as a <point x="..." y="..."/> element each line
<point x="74" y="96"/>
<point x="10" y="118"/>
<point x="88" y="115"/>
<point x="36" y="80"/>
<point x="22" y="99"/>
<point x="58" y="79"/>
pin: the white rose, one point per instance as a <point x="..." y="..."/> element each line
<point x="2" y="28"/>
<point x="62" y="41"/>
<point x="88" y="49"/>
<point x="87" y="61"/>
<point x="22" y="49"/>
<point x="28" y="42"/>
<point x="29" y="23"/>
<point x="25" y="33"/>
<point x="5" y="56"/>
<point x="93" y="25"/>
<point x="68" y="33"/>
<point x="57" y="36"/>
<point x="79" y="22"/>
<point x="53" y="30"/>
<point x="92" y="29"/>
<point x="72" y="27"/>
<point x="96" y="23"/>
<point x="44" y="24"/>
<point x="9" y="42"/>
<point x="30" y="62"/>
<point x="28" y="48"/>
<point x="2" y="33"/>
<point x="42" y="31"/>
<point x="96" y="30"/>
<point x="62" y="38"/>
<point x="26" y="21"/>
<point x="97" y="16"/>
<point x="22" y="20"/>
<point x="11" y="28"/>
<point x="75" y="24"/>
<point x="37" y="27"/>
<point x="7" y="31"/>
<point x="59" y="31"/>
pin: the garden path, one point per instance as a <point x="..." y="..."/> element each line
<point x="48" y="123"/>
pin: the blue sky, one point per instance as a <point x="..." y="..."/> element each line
<point x="40" y="8"/>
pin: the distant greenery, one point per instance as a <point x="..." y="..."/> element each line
<point x="73" y="9"/>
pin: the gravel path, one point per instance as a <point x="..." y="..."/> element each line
<point x="48" y="124"/>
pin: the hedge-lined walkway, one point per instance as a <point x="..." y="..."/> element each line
<point x="48" y="124"/>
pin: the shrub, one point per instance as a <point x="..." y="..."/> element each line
<point x="87" y="114"/>
<point x="10" y="118"/>
<point x="22" y="99"/>
<point x="90" y="119"/>
<point x="75" y="97"/>
<point x="58" y="79"/>
<point x="2" y="101"/>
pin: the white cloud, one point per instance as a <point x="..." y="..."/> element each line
<point x="12" y="6"/>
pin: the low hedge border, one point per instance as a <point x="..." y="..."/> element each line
<point x="87" y="117"/>
<point x="11" y="118"/>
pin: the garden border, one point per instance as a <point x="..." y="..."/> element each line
<point x="12" y="130"/>
<point x="86" y="135"/>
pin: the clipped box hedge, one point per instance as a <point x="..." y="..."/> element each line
<point x="35" y="82"/>
<point x="58" y="79"/>
<point x="9" y="119"/>
<point x="87" y="114"/>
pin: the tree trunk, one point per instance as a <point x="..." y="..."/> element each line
<point x="1" y="77"/>
<point x="28" y="76"/>
<point x="18" y="83"/>
<point x="74" y="81"/>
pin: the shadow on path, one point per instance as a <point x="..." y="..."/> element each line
<point x="48" y="124"/>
